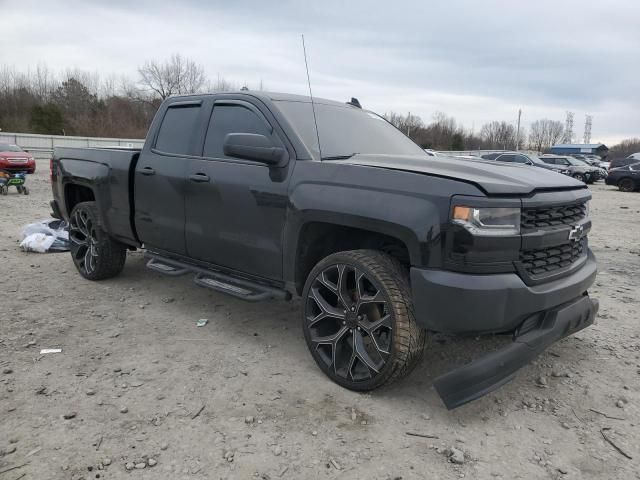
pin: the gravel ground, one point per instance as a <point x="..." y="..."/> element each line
<point x="139" y="391"/>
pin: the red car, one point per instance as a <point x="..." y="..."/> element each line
<point x="14" y="159"/>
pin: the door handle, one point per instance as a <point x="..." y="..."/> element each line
<point x="148" y="171"/>
<point x="199" y="177"/>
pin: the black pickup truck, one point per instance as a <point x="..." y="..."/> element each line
<point x="384" y="244"/>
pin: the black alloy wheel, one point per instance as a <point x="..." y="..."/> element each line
<point x="96" y="255"/>
<point x="356" y="321"/>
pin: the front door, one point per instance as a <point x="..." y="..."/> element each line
<point x="235" y="208"/>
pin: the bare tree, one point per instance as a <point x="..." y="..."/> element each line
<point x="625" y="148"/>
<point x="498" y="135"/>
<point x="176" y="76"/>
<point x="545" y="133"/>
<point x="405" y="123"/>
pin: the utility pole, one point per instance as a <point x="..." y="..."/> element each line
<point x="518" y="130"/>
<point x="408" y="124"/>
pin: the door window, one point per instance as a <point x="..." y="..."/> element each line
<point x="506" y="158"/>
<point x="177" y="129"/>
<point x="520" y="159"/>
<point x="227" y="119"/>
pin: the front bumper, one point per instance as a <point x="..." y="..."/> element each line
<point x="480" y="377"/>
<point x="539" y="315"/>
<point x="462" y="303"/>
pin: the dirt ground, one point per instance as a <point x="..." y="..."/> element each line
<point x="241" y="398"/>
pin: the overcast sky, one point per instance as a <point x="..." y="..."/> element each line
<point x="475" y="60"/>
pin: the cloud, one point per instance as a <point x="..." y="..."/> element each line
<point x="478" y="61"/>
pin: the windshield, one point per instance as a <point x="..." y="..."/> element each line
<point x="9" y="148"/>
<point x="345" y="131"/>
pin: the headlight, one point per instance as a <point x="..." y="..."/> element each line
<point x="490" y="221"/>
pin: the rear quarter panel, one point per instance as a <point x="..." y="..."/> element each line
<point x="108" y="174"/>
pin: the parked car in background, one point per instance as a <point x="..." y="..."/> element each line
<point x="525" y="159"/>
<point x="602" y="172"/>
<point x="623" y="162"/>
<point x="635" y="156"/>
<point x="14" y="159"/>
<point x="578" y="169"/>
<point x="627" y="179"/>
<point x="593" y="160"/>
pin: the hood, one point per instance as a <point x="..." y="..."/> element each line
<point x="489" y="176"/>
<point x="15" y="155"/>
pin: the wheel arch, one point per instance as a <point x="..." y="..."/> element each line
<point x="75" y="193"/>
<point x="323" y="233"/>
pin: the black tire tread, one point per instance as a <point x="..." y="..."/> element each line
<point x="633" y="183"/>
<point x="111" y="253"/>
<point x="408" y="338"/>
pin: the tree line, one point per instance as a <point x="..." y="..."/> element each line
<point x="76" y="102"/>
<point x="444" y="133"/>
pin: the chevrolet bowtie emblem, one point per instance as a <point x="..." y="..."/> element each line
<point x="576" y="233"/>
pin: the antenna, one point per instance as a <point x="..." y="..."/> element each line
<point x="313" y="107"/>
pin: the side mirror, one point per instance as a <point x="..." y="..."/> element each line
<point x="251" y="146"/>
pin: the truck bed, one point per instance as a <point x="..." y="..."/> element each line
<point x="109" y="173"/>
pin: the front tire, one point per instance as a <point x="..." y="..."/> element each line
<point x="579" y="176"/>
<point x="96" y="255"/>
<point x="627" y="185"/>
<point x="358" y="319"/>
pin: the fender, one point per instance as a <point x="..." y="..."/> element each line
<point x="410" y="207"/>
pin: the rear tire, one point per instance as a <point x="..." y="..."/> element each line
<point x="96" y="255"/>
<point x="627" y="185"/>
<point x="358" y="319"/>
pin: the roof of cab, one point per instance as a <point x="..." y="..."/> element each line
<point x="273" y="96"/>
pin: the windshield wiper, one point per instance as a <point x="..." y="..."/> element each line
<point x="339" y="157"/>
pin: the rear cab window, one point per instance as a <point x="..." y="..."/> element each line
<point x="175" y="135"/>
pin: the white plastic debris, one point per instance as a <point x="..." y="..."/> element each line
<point x="202" y="322"/>
<point x="50" y="350"/>
<point x="37" y="242"/>
<point x="45" y="236"/>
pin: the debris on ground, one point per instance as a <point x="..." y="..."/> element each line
<point x="50" y="350"/>
<point x="49" y="235"/>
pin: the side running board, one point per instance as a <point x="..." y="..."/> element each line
<point x="216" y="280"/>
<point x="165" y="268"/>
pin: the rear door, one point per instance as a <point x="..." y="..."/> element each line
<point x="160" y="177"/>
<point x="235" y="208"/>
